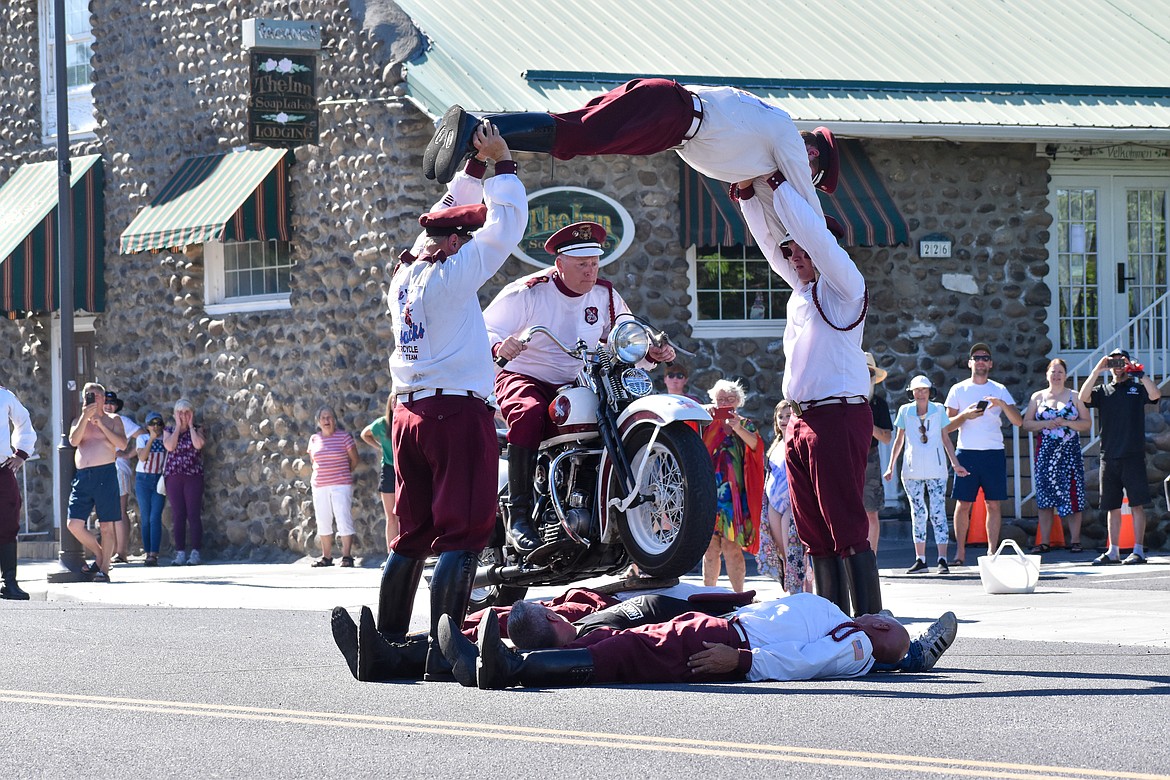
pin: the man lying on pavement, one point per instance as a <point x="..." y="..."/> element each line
<point x="799" y="637"/>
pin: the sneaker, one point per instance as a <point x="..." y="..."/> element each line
<point x="928" y="648"/>
<point x="919" y="565"/>
<point x="943" y="568"/>
<point x="1134" y="559"/>
<point x="180" y="558"/>
<point x="195" y="559"/>
<point x="1104" y="560"/>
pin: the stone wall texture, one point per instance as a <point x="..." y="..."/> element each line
<point x="171" y="83"/>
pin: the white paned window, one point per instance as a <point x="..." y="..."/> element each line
<point x="1076" y="262"/>
<point x="246" y="276"/>
<point x="78" y="70"/>
<point x="734" y="293"/>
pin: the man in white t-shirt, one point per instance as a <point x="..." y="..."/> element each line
<point x="975" y="406"/>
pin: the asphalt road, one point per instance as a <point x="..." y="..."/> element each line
<point x="123" y="690"/>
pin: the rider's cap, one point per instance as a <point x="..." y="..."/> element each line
<point x="458" y="220"/>
<point x="580" y="239"/>
<point x="828" y="159"/>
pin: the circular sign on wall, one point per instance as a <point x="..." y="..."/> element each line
<point x="551" y="209"/>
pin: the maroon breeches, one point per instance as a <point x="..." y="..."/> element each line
<point x="643" y="116"/>
<point x="10" y="504"/>
<point x="445" y="467"/>
<point x="658" y="653"/>
<point x="524" y="404"/>
<point x="826" y="456"/>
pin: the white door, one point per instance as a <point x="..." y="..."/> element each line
<point x="1108" y="259"/>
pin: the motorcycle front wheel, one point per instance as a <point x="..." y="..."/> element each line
<point x="667" y="536"/>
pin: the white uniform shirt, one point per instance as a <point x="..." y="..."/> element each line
<point x="23" y="437"/>
<point x="986" y="431"/>
<point x="439" y="333"/>
<point x="742" y="137"/>
<point x="790" y="640"/>
<point x="541" y="299"/>
<point x="819" y="361"/>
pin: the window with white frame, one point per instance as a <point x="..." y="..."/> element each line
<point x="735" y="293"/>
<point x="246" y="276"/>
<point x="78" y="70"/>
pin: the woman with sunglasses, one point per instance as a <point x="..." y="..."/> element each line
<point x="152" y="458"/>
<point x="921" y="427"/>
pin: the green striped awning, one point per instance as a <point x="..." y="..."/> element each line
<point x="861" y="204"/>
<point x="29" y="267"/>
<point x="239" y="196"/>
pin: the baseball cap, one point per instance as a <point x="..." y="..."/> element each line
<point x="920" y="381"/>
<point x="979" y="346"/>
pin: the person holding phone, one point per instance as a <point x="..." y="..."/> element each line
<point x="1121" y="402"/>
<point x="976" y="407"/>
<point x="737" y="452"/>
<point x="97" y="436"/>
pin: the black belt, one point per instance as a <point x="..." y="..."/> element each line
<point x="696" y="118"/>
<point x="800" y="407"/>
<point x="418" y="395"/>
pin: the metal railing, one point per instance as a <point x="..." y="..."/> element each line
<point x="1147" y="338"/>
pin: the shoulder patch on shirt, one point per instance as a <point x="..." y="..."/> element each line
<point x="858" y="650"/>
<point x="537" y="280"/>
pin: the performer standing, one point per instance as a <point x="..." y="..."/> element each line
<point x="443" y="433"/>
<point x="827" y="380"/>
<point x="14" y="451"/>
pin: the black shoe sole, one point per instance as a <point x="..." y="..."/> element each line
<point x="449" y="146"/>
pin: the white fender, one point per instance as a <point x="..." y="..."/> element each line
<point x="659" y="410"/>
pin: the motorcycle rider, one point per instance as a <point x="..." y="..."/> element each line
<point x="442" y="379"/>
<point x="571" y="301"/>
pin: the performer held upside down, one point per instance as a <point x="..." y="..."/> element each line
<point x="722" y="132"/>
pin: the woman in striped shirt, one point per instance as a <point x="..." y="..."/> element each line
<point x="334" y="457"/>
<point x="152" y="457"/>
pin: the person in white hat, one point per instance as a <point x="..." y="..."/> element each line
<point x="922" y="424"/>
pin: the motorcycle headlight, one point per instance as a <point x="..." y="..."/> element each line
<point x="637" y="382"/>
<point x="630" y="341"/>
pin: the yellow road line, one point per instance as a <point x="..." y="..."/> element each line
<point x="488" y="731"/>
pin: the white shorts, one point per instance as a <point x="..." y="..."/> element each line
<point x="125" y="476"/>
<point x="333" y="503"/>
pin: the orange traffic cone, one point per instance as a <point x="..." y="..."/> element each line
<point x="977" y="528"/>
<point x="1125" y="542"/>
<point x="1056" y="536"/>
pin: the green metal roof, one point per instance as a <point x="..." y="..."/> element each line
<point x="994" y="69"/>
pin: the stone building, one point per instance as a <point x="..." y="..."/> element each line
<point x="1042" y="180"/>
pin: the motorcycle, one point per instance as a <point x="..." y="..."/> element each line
<point x="623" y="478"/>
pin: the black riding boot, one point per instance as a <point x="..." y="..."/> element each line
<point x="829" y="580"/>
<point x="521" y="534"/>
<point x="10" y="589"/>
<point x="450" y="590"/>
<point x="865" y="587"/>
<point x="378" y="659"/>
<point x="396" y="594"/>
<point x="502" y="667"/>
<point x="451" y="143"/>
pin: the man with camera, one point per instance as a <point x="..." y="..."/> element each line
<point x="97" y="436"/>
<point x="1120" y="402"/>
<point x="975" y="407"/>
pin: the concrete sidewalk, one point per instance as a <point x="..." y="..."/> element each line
<point x="1074" y="602"/>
